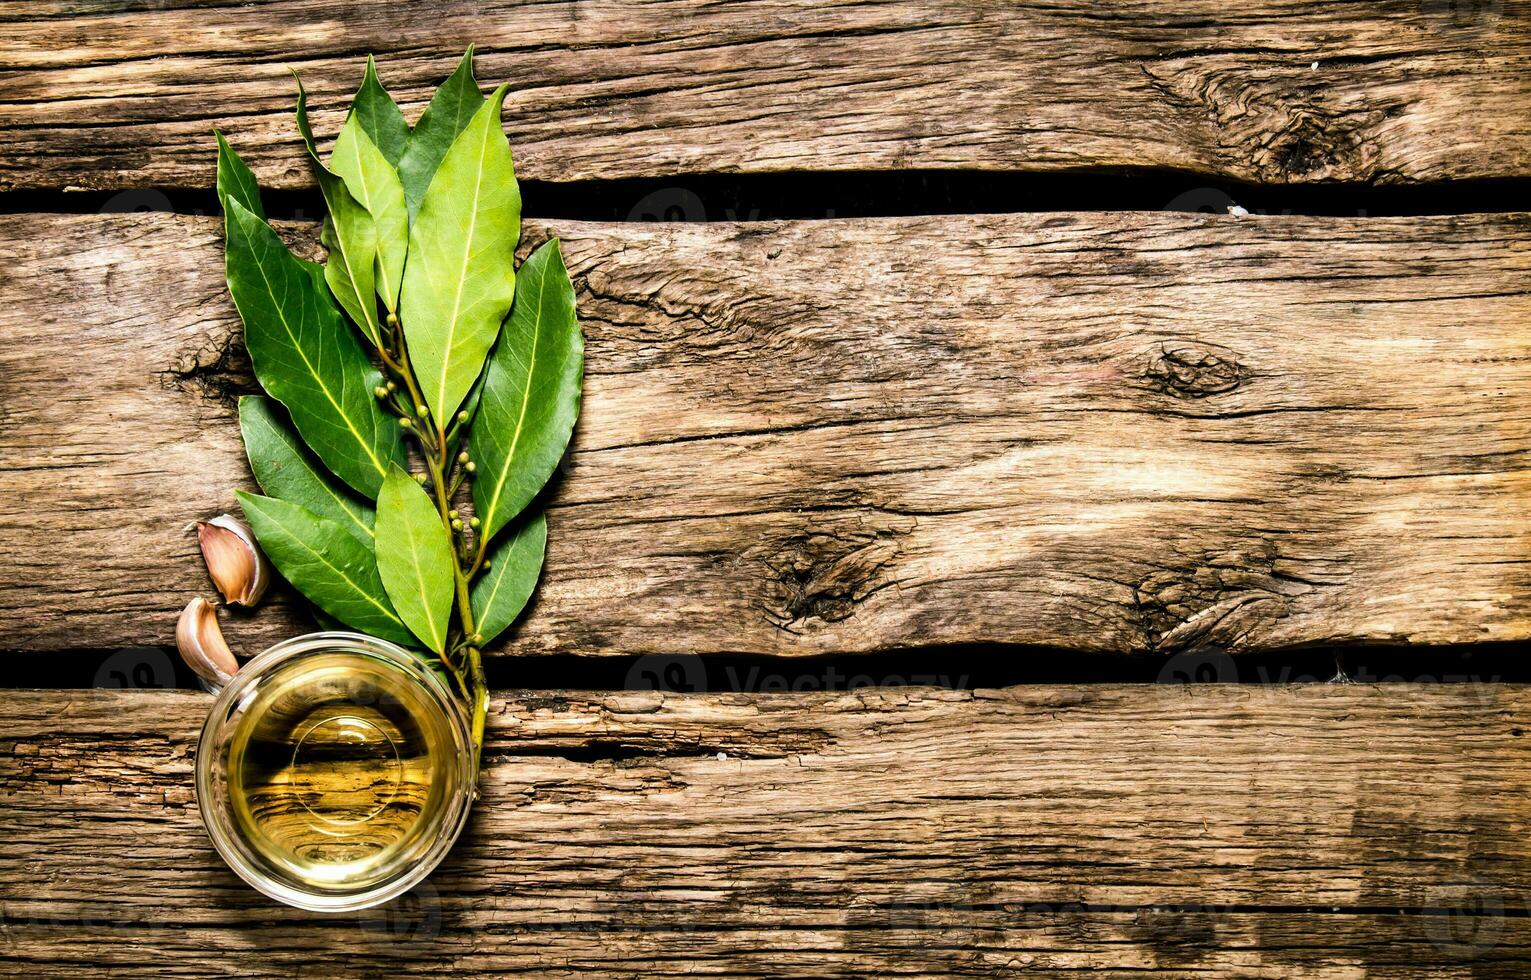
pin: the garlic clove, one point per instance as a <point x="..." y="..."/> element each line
<point x="235" y="562"/>
<point x="200" y="640"/>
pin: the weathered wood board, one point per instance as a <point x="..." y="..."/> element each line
<point x="112" y="94"/>
<point x="1046" y="434"/>
<point x="1320" y="830"/>
<point x="1117" y="432"/>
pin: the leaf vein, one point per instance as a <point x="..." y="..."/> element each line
<point x="309" y="365"/>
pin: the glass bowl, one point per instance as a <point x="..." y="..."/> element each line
<point x="335" y="771"/>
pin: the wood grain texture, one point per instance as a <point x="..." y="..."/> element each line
<point x="1321" y="830"/>
<point x="1096" y="432"/>
<point x="113" y="94"/>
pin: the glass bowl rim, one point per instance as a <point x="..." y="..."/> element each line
<point x="340" y="641"/>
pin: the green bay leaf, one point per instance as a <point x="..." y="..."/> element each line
<point x="324" y="620"/>
<point x="470" y="404"/>
<point x="236" y="180"/>
<point x="531" y="392"/>
<point x="305" y="356"/>
<point x="374" y="184"/>
<point x="350" y="269"/>
<point x="514" y="567"/>
<point x="414" y="558"/>
<point x="379" y="116"/>
<point x="284" y="469"/>
<point x="349" y="234"/>
<point x="334" y="570"/>
<point x="460" y="278"/>
<point x="453" y="105"/>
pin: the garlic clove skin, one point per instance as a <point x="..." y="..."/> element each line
<point x="200" y="640"/>
<point x="235" y="562"/>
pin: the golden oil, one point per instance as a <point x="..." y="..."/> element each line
<point x="337" y="771"/>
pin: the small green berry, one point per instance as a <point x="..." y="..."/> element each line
<point x="462" y="416"/>
<point x="471" y="466"/>
<point x="393" y="320"/>
<point x="391" y="386"/>
<point x="420" y="410"/>
<point x="462" y="457"/>
<point x="457" y="525"/>
<point x="421" y="479"/>
<point x="487" y="563"/>
<point x="473" y="522"/>
<point x="406" y="423"/>
<point x="453" y="514"/>
<point x="380" y="391"/>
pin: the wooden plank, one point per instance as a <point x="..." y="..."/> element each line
<point x="912" y="940"/>
<point x="1098" y="432"/>
<point x="110" y="95"/>
<point x="1317" y="830"/>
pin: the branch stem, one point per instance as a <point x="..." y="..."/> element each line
<point x="446" y="478"/>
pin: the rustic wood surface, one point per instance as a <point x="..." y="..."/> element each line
<point x="1046" y="434"/>
<point x="1319" y="830"/>
<point x="113" y="94"/>
<point x="1131" y="432"/>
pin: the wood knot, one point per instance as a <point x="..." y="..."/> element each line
<point x="1212" y="598"/>
<point x="1312" y="147"/>
<point x="826" y="575"/>
<point x="1193" y="370"/>
<point x="1276" y="132"/>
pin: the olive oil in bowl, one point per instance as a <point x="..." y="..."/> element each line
<point x="335" y="771"/>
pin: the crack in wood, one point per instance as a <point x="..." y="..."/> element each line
<point x="219" y="371"/>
